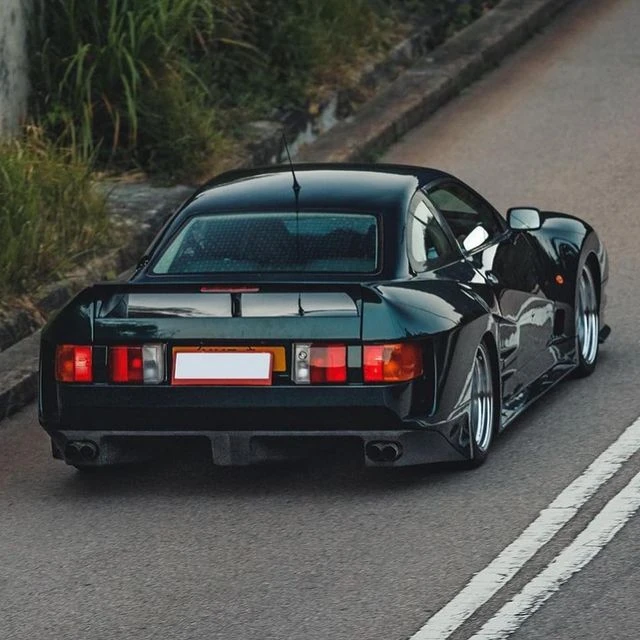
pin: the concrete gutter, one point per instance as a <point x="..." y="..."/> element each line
<point x="412" y="97"/>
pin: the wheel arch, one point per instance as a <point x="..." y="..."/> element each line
<point x="490" y="340"/>
<point x="594" y="264"/>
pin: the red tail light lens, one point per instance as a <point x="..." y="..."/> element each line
<point x="74" y="363"/>
<point x="392" y="362"/>
<point x="328" y="364"/>
<point x="136" y="364"/>
<point x="125" y="364"/>
<point x="319" y="364"/>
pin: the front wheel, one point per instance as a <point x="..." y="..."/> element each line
<point x="483" y="410"/>
<point x="587" y="319"/>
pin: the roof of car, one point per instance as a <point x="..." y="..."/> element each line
<point x="359" y="187"/>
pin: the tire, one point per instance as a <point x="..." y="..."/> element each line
<point x="484" y="408"/>
<point x="587" y="322"/>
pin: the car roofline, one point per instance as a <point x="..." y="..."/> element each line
<point x="424" y="175"/>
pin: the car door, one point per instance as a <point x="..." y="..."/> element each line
<point x="506" y="260"/>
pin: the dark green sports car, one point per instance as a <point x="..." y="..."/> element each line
<point x="389" y="307"/>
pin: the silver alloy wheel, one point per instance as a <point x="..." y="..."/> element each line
<point x="482" y="399"/>
<point x="587" y="319"/>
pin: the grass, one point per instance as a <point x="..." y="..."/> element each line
<point x="167" y="86"/>
<point x="51" y="218"/>
<point x="99" y="65"/>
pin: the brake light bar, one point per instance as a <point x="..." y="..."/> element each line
<point x="74" y="363"/>
<point x="391" y="362"/>
<point x="136" y="364"/>
<point x="229" y="289"/>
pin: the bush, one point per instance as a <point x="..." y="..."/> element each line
<point x="98" y="60"/>
<point x="168" y="84"/>
<point x="50" y="215"/>
<point x="135" y="81"/>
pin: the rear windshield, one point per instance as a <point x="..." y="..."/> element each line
<point x="273" y="242"/>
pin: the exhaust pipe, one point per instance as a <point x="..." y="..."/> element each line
<point x="88" y="450"/>
<point x="84" y="450"/>
<point x="382" y="451"/>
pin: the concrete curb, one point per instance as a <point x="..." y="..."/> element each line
<point x="433" y="81"/>
<point x="140" y="208"/>
<point x="407" y="101"/>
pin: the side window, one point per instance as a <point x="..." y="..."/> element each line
<point x="428" y="244"/>
<point x="464" y="210"/>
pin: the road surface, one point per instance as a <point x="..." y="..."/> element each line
<point x="328" y="550"/>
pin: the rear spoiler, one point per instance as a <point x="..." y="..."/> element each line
<point x="102" y="290"/>
<point x="128" y="300"/>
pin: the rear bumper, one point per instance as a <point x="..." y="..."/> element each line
<point x="231" y="448"/>
<point x="275" y="408"/>
<point x="242" y="425"/>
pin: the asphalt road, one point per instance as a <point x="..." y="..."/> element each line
<point x="327" y="550"/>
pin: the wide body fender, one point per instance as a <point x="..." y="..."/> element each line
<point x="450" y="319"/>
<point x="563" y="244"/>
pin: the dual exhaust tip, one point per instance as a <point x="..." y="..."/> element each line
<point x="81" y="451"/>
<point x="383" y="451"/>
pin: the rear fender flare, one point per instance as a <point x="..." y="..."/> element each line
<point x="564" y="242"/>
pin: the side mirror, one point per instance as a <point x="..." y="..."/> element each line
<point x="524" y="219"/>
<point x="476" y="238"/>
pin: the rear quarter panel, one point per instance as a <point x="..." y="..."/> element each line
<point x="449" y="319"/>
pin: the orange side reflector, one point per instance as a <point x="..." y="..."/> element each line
<point x="392" y="362"/>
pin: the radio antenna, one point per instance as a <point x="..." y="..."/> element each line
<point x="296" y="191"/>
<point x="296" y="184"/>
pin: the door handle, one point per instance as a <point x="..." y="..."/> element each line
<point x="491" y="277"/>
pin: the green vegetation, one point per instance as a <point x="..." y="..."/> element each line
<point x="50" y="214"/>
<point x="166" y="85"/>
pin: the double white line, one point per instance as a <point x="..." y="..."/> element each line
<point x="485" y="584"/>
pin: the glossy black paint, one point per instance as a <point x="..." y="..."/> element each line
<point x="504" y="292"/>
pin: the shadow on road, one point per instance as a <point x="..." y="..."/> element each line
<point x="340" y="473"/>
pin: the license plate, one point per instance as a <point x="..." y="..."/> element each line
<point x="222" y="368"/>
<point x="279" y="362"/>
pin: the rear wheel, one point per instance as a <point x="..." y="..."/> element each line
<point x="483" y="409"/>
<point x="587" y="319"/>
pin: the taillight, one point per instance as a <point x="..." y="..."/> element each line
<point x="391" y="362"/>
<point x="74" y="363"/>
<point x="320" y="364"/>
<point x="136" y="364"/>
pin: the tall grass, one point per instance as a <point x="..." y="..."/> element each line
<point x="165" y="83"/>
<point x="299" y="45"/>
<point x="98" y="62"/>
<point x="168" y="84"/>
<point x="50" y="216"/>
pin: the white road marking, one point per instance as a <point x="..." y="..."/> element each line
<point x="485" y="584"/>
<point x="570" y="560"/>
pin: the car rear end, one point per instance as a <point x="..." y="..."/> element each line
<point x="255" y="369"/>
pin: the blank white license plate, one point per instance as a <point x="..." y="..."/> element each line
<point x="237" y="368"/>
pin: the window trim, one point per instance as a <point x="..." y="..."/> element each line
<point x="165" y="243"/>
<point x="501" y="222"/>
<point x="454" y="253"/>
